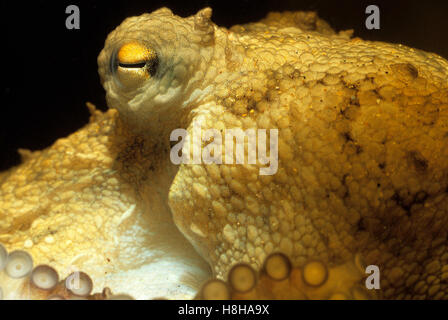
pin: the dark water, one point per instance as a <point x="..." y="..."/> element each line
<point x="51" y="72"/>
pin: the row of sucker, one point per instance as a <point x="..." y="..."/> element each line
<point x="278" y="279"/>
<point x="20" y="280"/>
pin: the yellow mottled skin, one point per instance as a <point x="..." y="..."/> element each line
<point x="362" y="172"/>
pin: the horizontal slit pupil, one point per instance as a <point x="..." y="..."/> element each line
<point x="132" y="65"/>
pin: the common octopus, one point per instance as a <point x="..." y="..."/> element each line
<point x="362" y="175"/>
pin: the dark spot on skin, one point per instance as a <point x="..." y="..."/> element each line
<point x="131" y="151"/>
<point x="404" y="71"/>
<point x="325" y="239"/>
<point x="348" y="84"/>
<point x="418" y="198"/>
<point x="382" y="165"/>
<point x="295" y="75"/>
<point x="361" y="224"/>
<point x="252" y="105"/>
<point x="420" y="163"/>
<point x="358" y="149"/>
<point x="347" y="136"/>
<point x="346" y="113"/>
<point x="412" y="70"/>
<point x="402" y="203"/>
<point x="267" y="97"/>
<point x="376" y="92"/>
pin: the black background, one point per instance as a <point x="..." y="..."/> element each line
<point x="49" y="72"/>
<point x="278" y="309"/>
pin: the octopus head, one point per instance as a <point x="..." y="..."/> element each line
<point x="155" y="63"/>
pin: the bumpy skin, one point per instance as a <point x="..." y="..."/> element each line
<point x="93" y="203"/>
<point x="363" y="157"/>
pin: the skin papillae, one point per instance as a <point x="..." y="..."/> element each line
<point x="362" y="172"/>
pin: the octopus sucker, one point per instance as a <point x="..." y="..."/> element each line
<point x="19" y="280"/>
<point x="278" y="280"/>
<point x="215" y="289"/>
<point x="242" y="278"/>
<point x="19" y="264"/>
<point x="79" y="284"/>
<point x="44" y="277"/>
<point x="315" y="273"/>
<point x="277" y="266"/>
<point x="357" y="139"/>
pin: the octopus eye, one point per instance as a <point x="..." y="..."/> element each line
<point x="134" y="63"/>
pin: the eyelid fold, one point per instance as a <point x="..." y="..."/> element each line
<point x="132" y="63"/>
<point x="135" y="53"/>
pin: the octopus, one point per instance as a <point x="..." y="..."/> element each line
<point x="362" y="176"/>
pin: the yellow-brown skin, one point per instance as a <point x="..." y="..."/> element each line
<point x="363" y="155"/>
